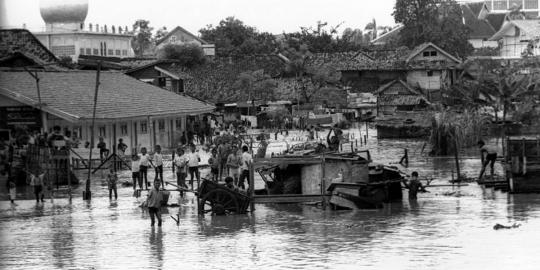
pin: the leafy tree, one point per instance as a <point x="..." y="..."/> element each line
<point x="437" y="21"/>
<point x="160" y="33"/>
<point x="255" y="85"/>
<point x="142" y="37"/>
<point x="355" y="36"/>
<point x="233" y="37"/>
<point x="189" y="54"/>
<point x="311" y="79"/>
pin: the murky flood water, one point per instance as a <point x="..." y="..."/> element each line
<point x="443" y="230"/>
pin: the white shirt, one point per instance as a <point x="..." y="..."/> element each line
<point x="144" y="160"/>
<point x="489" y="149"/>
<point x="135" y="166"/>
<point x="158" y="159"/>
<point x="193" y="159"/>
<point x="180" y="162"/>
<point x="246" y="159"/>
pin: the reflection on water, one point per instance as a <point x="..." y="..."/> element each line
<point x="448" y="228"/>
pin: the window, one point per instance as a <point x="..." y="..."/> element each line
<point x="81" y="51"/>
<point x="433" y="53"/>
<point x="518" y="3"/>
<point x="63" y="50"/>
<point x="425" y="54"/>
<point x="102" y="131"/>
<point x="77" y="133"/>
<point x="117" y="52"/>
<point x="110" y="52"/>
<point x="144" y="127"/>
<point x="178" y="124"/>
<point x="500" y="5"/>
<point x="123" y="129"/>
<point x="430" y="73"/>
<point x="531" y="4"/>
<point x="124" y="52"/>
<point x="95" y="52"/>
<point x="172" y="39"/>
<point x="88" y="51"/>
<point x="161" y="125"/>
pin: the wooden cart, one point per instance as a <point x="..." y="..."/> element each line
<point x="217" y="199"/>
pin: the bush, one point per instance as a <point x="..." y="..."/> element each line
<point x="188" y="54"/>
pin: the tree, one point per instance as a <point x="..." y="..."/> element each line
<point x="160" y="33"/>
<point x="437" y="21"/>
<point x="142" y="37"/>
<point x="189" y="54"/>
<point x="310" y="79"/>
<point x="255" y="85"/>
<point x="233" y="37"/>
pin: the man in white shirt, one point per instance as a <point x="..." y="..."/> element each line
<point x="193" y="164"/>
<point x="247" y="159"/>
<point x="181" y="163"/>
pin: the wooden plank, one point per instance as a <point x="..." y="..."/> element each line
<point x="288" y="198"/>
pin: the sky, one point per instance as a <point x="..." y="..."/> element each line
<point x="275" y="16"/>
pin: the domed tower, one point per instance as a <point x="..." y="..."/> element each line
<point x="63" y="15"/>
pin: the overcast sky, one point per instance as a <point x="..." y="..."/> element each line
<point x="273" y="16"/>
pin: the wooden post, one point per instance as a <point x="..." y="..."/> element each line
<point x="87" y="195"/>
<point x="456" y="155"/>
<point x="367" y="132"/>
<point x="251" y="187"/>
<point x="323" y="181"/>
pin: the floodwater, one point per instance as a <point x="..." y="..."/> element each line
<point x="448" y="228"/>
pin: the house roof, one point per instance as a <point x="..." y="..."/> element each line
<point x="384" y="38"/>
<point x="21" y="40"/>
<point x="530" y="27"/>
<point x="480" y="28"/>
<point x="418" y="49"/>
<point x="70" y="95"/>
<point x="180" y="29"/>
<point x="341" y="60"/>
<point x="401" y="100"/>
<point x="405" y="86"/>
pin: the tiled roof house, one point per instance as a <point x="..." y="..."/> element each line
<point x="140" y="113"/>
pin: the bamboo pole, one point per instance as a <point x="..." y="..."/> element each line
<point x="456" y="155"/>
<point x="87" y="195"/>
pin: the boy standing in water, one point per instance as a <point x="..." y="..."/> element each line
<point x="37" y="182"/>
<point x="144" y="161"/>
<point x="180" y="161"/>
<point x="135" y="168"/>
<point x="12" y="189"/>
<point x="489" y="159"/>
<point x="193" y="163"/>
<point x="158" y="164"/>
<point x="154" y="204"/>
<point x="112" y="179"/>
<point x="414" y="186"/>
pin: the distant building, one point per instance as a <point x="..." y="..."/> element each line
<point x="530" y="7"/>
<point x="427" y="68"/>
<point x="518" y="38"/>
<point x="180" y="35"/>
<point x="397" y="95"/>
<point x="66" y="33"/>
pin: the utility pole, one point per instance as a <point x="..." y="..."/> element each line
<point x="87" y="194"/>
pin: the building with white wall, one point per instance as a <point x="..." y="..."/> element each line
<point x="66" y="33"/>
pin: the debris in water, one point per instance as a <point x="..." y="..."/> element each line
<point x="500" y="226"/>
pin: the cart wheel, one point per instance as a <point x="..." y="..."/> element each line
<point x="219" y="202"/>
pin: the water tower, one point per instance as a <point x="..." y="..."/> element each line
<point x="63" y="15"/>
